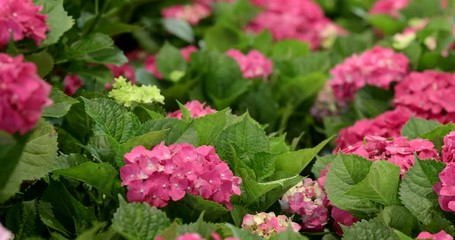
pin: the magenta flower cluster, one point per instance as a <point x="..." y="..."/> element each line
<point x="196" y="108"/>
<point x="191" y="13"/>
<point x="23" y="94"/>
<point x="165" y="173"/>
<point x="448" y="149"/>
<point x="387" y="124"/>
<point x="294" y="19"/>
<point x="377" y="67"/>
<point x="389" y="7"/>
<point x="398" y="151"/>
<point x="21" y="19"/>
<point x="441" y="235"/>
<point x="445" y="189"/>
<point x="266" y="225"/>
<point x="308" y="200"/>
<point x="428" y="95"/>
<point x="71" y="83"/>
<point x="253" y="65"/>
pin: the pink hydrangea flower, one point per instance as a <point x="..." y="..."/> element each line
<point x="441" y="235"/>
<point x="267" y="224"/>
<point x="428" y="95"/>
<point x="190" y="236"/>
<point x="150" y="61"/>
<point x="22" y="19"/>
<point x="448" y="149"/>
<point x="389" y="7"/>
<point x="192" y="13"/>
<point x="304" y="20"/>
<point x="169" y="173"/>
<point x="125" y="70"/>
<point x="341" y="216"/>
<point x="309" y="200"/>
<point x="71" y="84"/>
<point x="386" y="125"/>
<point x="23" y="94"/>
<point x="253" y="65"/>
<point x="377" y="67"/>
<point x="5" y="234"/>
<point x="196" y="109"/>
<point x="445" y="189"/>
<point x="398" y="151"/>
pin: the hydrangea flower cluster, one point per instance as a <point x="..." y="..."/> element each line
<point x="191" y="13"/>
<point x="253" y="65"/>
<point x="150" y="61"/>
<point x="387" y="124"/>
<point x="196" y="109"/>
<point x="445" y="189"/>
<point x="398" y="151"/>
<point x="5" y="234"/>
<point x="377" y="67"/>
<point x="448" y="149"/>
<point x="428" y="95"/>
<point x="196" y="236"/>
<point x="71" y="84"/>
<point x="23" y="94"/>
<point x="22" y="19"/>
<point x="309" y="200"/>
<point x="130" y="95"/>
<point x="441" y="235"/>
<point x="389" y="7"/>
<point x="304" y="20"/>
<point x="168" y="173"/>
<point x="267" y="224"/>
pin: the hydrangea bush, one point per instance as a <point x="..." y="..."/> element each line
<point x="227" y="119"/>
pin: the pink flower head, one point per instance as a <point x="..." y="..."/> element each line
<point x="304" y="20"/>
<point x="5" y="234"/>
<point x="253" y="65"/>
<point x="309" y="200"/>
<point x="124" y="70"/>
<point x="22" y="19"/>
<point x="389" y="7"/>
<point x="448" y="149"/>
<point x="71" y="84"/>
<point x="445" y="189"/>
<point x="377" y="67"/>
<point x="398" y="151"/>
<point x="341" y="216"/>
<point x="441" y="235"/>
<point x="428" y="95"/>
<point x="190" y="13"/>
<point x="267" y="224"/>
<point x="165" y="173"/>
<point x="196" y="109"/>
<point x="386" y="125"/>
<point x="23" y="94"/>
<point x="187" y="51"/>
<point x="150" y="61"/>
<point x="190" y="236"/>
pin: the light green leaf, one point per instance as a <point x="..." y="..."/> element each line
<point x="179" y="28"/>
<point x="139" y="221"/>
<point x="210" y="126"/>
<point x="37" y="159"/>
<point x="416" y="127"/>
<point x="57" y="19"/>
<point x="386" y="24"/>
<point x="106" y="56"/>
<point x="287" y="234"/>
<point x="398" y="217"/>
<point x="221" y="38"/>
<point x="102" y="176"/>
<point x="60" y="106"/>
<point x="380" y="185"/>
<point x="242" y="234"/>
<point x="436" y="136"/>
<point x="169" y="60"/>
<point x="295" y="162"/>
<point x="302" y="87"/>
<point x="289" y="49"/>
<point x="369" y="230"/>
<point x="89" y="44"/>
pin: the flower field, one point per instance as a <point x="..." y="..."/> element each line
<point x="227" y="119"/>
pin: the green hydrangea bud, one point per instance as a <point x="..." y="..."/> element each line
<point x="130" y="95"/>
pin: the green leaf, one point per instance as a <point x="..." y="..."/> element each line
<point x="57" y="19"/>
<point x="416" y="127"/>
<point x="380" y="185"/>
<point x="295" y="162"/>
<point x="106" y="56"/>
<point x="416" y="190"/>
<point x="289" y="49"/>
<point x="22" y="219"/>
<point x="179" y="28"/>
<point x="43" y="61"/>
<point x="345" y="46"/>
<point x="112" y="119"/>
<point x="402" y="236"/>
<point x="169" y="60"/>
<point x="221" y="38"/>
<point x="242" y="234"/>
<point x="60" y="106"/>
<point x="175" y="128"/>
<point x="48" y="217"/>
<point x="301" y="88"/>
<point x="344" y="173"/>
<point x="371" y="230"/>
<point x="147" y="140"/>
<point x="71" y="160"/>
<point x="92" y="233"/>
<point x="421" y="9"/>
<point x="204" y="229"/>
<point x="386" y="24"/>
<point x="236" y="14"/>
<point x="287" y="234"/>
<point x="436" y="136"/>
<point x="191" y="206"/>
<point x="111" y="26"/>
<point x="102" y="176"/>
<point x="89" y="44"/>
<point x="321" y="163"/>
<point x="37" y="159"/>
<point x="263" y="165"/>
<point x="398" y="217"/>
<point x="139" y="221"/>
<point x="372" y="101"/>
<point x="210" y="126"/>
